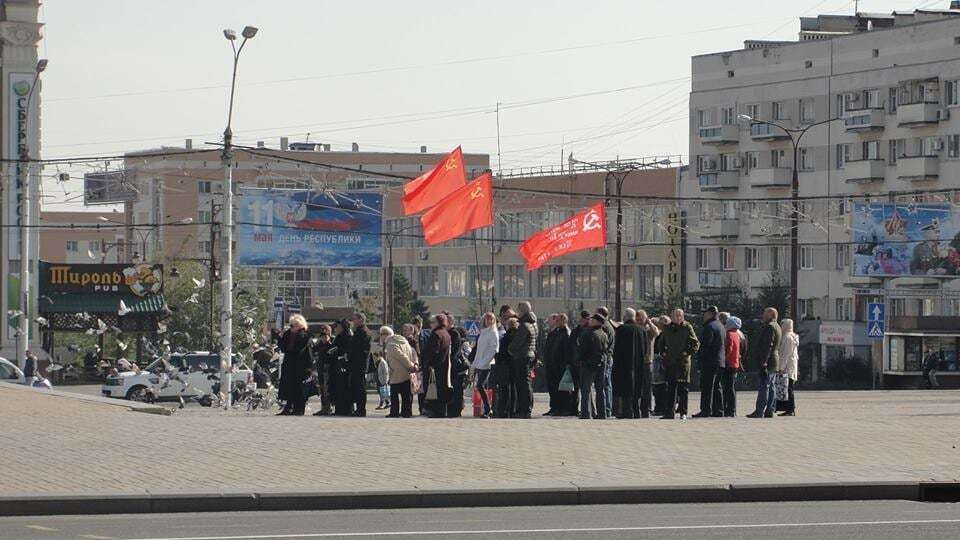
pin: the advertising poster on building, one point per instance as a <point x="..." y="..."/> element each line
<point x="890" y="240"/>
<point x="301" y="228"/>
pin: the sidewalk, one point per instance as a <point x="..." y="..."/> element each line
<point x="875" y="442"/>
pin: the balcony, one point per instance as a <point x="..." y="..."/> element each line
<point x="918" y="168"/>
<point x="864" y="120"/>
<point x="719" y="180"/>
<point x="777" y="177"/>
<point x="767" y="227"/>
<point x="918" y="114"/>
<point x="766" y="132"/>
<point x="722" y="134"/>
<point x="717" y="279"/>
<point x="864" y="171"/>
<point x="720" y="228"/>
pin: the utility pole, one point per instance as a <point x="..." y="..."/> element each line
<point x="212" y="275"/>
<point x="23" y="181"/>
<point x="226" y="275"/>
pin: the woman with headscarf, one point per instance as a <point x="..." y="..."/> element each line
<point x="789" y="358"/>
<point x="435" y="361"/>
<point x="296" y="368"/>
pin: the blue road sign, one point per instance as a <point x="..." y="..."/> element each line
<point x="876" y="320"/>
<point x="472" y="328"/>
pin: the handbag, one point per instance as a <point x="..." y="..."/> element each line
<point x="566" y="382"/>
<point x="781" y="383"/>
<point x="431" y="394"/>
<point x="309" y="388"/>
<point x="416" y="385"/>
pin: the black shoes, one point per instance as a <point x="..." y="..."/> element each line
<point x="788" y="413"/>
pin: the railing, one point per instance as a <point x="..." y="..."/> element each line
<point x="651" y="162"/>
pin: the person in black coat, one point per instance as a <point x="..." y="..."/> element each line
<point x="591" y="349"/>
<point x="502" y="370"/>
<point x="628" y="354"/>
<point x="339" y="375"/>
<point x="358" y="360"/>
<point x="555" y="353"/>
<point x="321" y="368"/>
<point x="460" y="368"/>
<point x="436" y="360"/>
<point x="709" y="361"/>
<point x="296" y="368"/>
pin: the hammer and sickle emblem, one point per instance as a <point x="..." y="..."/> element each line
<point x="591" y="221"/>
<point x="451" y="164"/>
<point x="476" y="193"/>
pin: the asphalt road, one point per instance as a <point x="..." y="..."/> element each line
<point x="812" y="520"/>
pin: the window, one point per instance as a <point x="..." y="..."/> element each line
<point x="806" y="258"/>
<point x="751" y="160"/>
<point x="583" y="281"/>
<point x="843" y="309"/>
<point x="728" y="115"/>
<point x="919" y="91"/>
<point x="627" y="281"/>
<point x="203" y="186"/>
<point x="953" y="92"/>
<point x="550" y="282"/>
<point x="806" y="306"/>
<point x="806" y="159"/>
<point x="95" y="246"/>
<point x="871" y="99"/>
<point x="454" y="280"/>
<point x="779" y="111"/>
<point x="203" y="247"/>
<point x="808" y="64"/>
<point x="204" y="216"/>
<point x="776" y="259"/>
<point x="513" y="281"/>
<point x="843" y="155"/>
<point x="842" y="100"/>
<point x="728" y="258"/>
<point x="895" y="150"/>
<point x="898" y="307"/>
<point x="892" y="100"/>
<point x="752" y="255"/>
<point x="953" y="146"/>
<point x="72" y="246"/>
<point x="704" y="118"/>
<point x="752" y="110"/>
<point x="808" y="112"/>
<point x="842" y="256"/>
<point x="650" y="281"/>
<point x="876" y="53"/>
<point x="702" y="263"/>
<point x="778" y="158"/>
<point x="485" y="275"/>
<point x="428" y="280"/>
<point x="871" y="150"/>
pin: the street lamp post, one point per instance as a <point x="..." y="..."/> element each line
<point x="390" y="309"/>
<point x="796" y="135"/>
<point x="23" y="179"/>
<point x="226" y="276"/>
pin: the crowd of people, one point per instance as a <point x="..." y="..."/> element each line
<point x="638" y="367"/>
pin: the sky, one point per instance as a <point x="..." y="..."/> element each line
<point x="602" y="79"/>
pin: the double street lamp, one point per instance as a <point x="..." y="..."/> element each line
<point x="226" y="275"/>
<point x="795" y="135"/>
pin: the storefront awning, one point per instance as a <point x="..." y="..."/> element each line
<point x="99" y="303"/>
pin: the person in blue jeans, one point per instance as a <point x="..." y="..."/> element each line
<point x="606" y="385"/>
<point x="766" y="354"/>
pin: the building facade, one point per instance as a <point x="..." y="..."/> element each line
<point x="886" y="90"/>
<point x="85" y="244"/>
<point x="20" y="32"/>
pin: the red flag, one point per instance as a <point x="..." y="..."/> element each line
<point x="586" y="230"/>
<point x="428" y="189"/>
<point x="468" y="208"/>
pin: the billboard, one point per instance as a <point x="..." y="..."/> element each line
<point x="109" y="187"/>
<point x="105" y="279"/>
<point x="303" y="228"/>
<point x="918" y="239"/>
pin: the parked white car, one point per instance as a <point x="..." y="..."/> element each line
<point x="9" y="372"/>
<point x="187" y="374"/>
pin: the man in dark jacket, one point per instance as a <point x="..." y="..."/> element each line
<point x="573" y="361"/>
<point x="358" y="358"/>
<point x="436" y="359"/>
<point x="708" y="361"/>
<point x="339" y="369"/>
<point x="631" y="347"/>
<point x="591" y="347"/>
<point x="643" y="388"/>
<point x="555" y="357"/>
<point x="678" y="342"/>
<point x="766" y="355"/>
<point x="522" y="350"/>
<point x="607" y="388"/>
<point x="321" y="369"/>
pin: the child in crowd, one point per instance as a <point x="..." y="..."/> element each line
<point x="383" y="381"/>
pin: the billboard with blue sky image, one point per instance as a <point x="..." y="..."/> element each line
<point x="920" y="239"/>
<point x="303" y="228"/>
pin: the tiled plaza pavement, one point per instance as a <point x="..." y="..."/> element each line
<point x="75" y="447"/>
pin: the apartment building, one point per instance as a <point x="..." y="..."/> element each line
<point x="74" y="237"/>
<point x="447" y="276"/>
<point x="886" y="89"/>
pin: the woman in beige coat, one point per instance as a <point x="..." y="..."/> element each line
<point x="401" y="360"/>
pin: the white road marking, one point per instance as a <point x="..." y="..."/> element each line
<point x="552" y="531"/>
<point x="96" y="537"/>
<point x="42" y="528"/>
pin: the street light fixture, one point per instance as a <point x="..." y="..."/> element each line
<point x="226" y="281"/>
<point x="796" y="135"/>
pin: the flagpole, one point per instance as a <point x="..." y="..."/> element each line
<point x="476" y="254"/>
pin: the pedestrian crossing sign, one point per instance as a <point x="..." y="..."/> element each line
<point x="876" y="330"/>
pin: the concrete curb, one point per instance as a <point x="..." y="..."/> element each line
<point x="145" y="503"/>
<point x="113" y="402"/>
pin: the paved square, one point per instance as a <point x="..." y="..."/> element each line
<point x="74" y="447"/>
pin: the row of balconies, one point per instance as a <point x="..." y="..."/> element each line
<point x="909" y="168"/>
<point x="759" y="227"/>
<point x="861" y="120"/>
